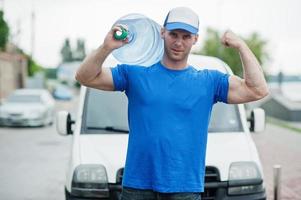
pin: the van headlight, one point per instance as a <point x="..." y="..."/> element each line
<point x="90" y="180"/>
<point x="244" y="178"/>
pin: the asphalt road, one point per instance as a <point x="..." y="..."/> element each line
<point x="33" y="161"/>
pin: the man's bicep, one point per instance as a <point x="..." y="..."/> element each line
<point x="238" y="91"/>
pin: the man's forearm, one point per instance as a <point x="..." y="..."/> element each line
<point x="92" y="65"/>
<point x="253" y="73"/>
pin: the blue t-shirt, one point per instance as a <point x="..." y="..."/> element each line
<point x="168" y="111"/>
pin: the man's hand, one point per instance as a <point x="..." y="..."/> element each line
<point x="229" y="39"/>
<point x="110" y="43"/>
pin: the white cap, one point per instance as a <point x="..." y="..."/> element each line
<point x="182" y="18"/>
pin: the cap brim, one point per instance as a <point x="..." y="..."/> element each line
<point x="183" y="26"/>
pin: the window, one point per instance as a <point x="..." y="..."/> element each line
<point x="105" y="109"/>
<point x="225" y="118"/>
<point x="108" y="110"/>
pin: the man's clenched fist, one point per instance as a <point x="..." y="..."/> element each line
<point x="229" y="39"/>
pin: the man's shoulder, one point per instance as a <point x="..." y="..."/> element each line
<point x="207" y="71"/>
<point x="198" y="71"/>
<point x="141" y="68"/>
<point x="129" y="68"/>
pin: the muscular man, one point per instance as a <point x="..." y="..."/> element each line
<point x="169" y="107"/>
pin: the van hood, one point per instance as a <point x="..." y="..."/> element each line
<point x="110" y="150"/>
<point x="225" y="148"/>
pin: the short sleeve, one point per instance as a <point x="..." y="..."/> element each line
<point x="221" y="86"/>
<point x="120" y="77"/>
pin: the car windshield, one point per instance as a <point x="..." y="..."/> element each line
<point x="108" y="111"/>
<point x="18" y="98"/>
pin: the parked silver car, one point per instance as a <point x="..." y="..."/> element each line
<point x="27" y="107"/>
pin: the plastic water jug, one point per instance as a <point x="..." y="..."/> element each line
<point x="145" y="45"/>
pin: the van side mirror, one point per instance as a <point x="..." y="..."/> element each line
<point x="64" y="123"/>
<point x="257" y="120"/>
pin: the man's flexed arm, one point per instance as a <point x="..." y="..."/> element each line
<point x="253" y="86"/>
<point x="91" y="73"/>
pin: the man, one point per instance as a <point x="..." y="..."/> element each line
<point x="169" y="107"/>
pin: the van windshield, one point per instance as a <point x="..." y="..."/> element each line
<point x="108" y="111"/>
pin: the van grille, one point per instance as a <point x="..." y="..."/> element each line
<point x="211" y="176"/>
<point x="119" y="176"/>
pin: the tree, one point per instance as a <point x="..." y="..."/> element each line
<point x="213" y="47"/>
<point x="33" y="67"/>
<point x="70" y="55"/>
<point x="51" y="73"/>
<point x="4" y="31"/>
<point x="66" y="51"/>
<point x="80" y="53"/>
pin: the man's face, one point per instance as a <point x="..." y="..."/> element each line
<point x="177" y="43"/>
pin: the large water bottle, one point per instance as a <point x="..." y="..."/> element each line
<point x="145" y="45"/>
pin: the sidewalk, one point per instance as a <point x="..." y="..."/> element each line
<point x="278" y="145"/>
<point x="294" y="126"/>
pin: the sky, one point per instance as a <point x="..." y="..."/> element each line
<point x="277" y="21"/>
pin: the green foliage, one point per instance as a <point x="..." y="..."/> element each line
<point x="51" y="73"/>
<point x="257" y="45"/>
<point x="4" y="31"/>
<point x="33" y="67"/>
<point x="213" y="47"/>
<point x="66" y="52"/>
<point x="69" y="55"/>
<point x="77" y="84"/>
<point x="80" y="53"/>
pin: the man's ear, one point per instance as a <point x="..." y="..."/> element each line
<point x="162" y="32"/>
<point x="196" y="39"/>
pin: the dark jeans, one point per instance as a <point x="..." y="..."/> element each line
<point x="137" y="194"/>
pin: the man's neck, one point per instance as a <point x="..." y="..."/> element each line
<point x="172" y="64"/>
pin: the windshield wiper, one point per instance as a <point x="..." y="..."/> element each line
<point x="108" y="128"/>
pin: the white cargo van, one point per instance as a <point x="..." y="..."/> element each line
<point x="100" y="136"/>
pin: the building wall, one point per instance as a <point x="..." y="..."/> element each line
<point x="13" y="73"/>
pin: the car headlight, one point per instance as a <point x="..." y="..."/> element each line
<point x="90" y="180"/>
<point x="244" y="178"/>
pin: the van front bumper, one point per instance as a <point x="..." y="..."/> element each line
<point x="219" y="191"/>
<point x="216" y="191"/>
<point x="112" y="193"/>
